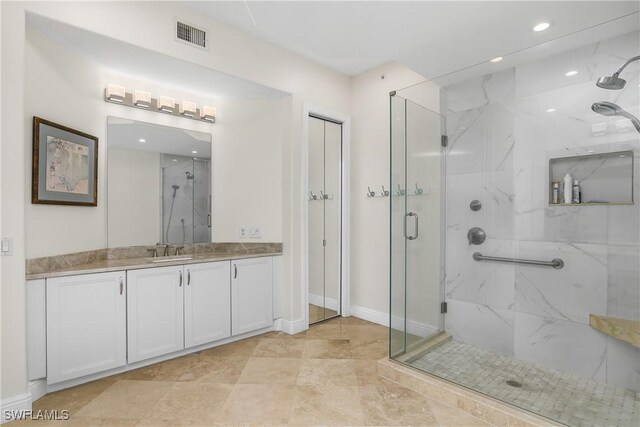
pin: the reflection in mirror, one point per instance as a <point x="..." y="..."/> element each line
<point x="159" y="184"/>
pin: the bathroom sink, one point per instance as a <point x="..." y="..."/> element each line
<point x="170" y="259"/>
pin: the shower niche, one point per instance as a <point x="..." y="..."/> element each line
<point x="604" y="178"/>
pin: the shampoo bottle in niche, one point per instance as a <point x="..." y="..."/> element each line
<point x="576" y="192"/>
<point x="568" y="189"/>
<point x="555" y="195"/>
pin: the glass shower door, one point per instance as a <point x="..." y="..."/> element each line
<point x="416" y="232"/>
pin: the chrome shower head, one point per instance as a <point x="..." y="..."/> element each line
<point x="611" y="82"/>
<point x="189" y="175"/>
<point x="614" y="82"/>
<point x="610" y="109"/>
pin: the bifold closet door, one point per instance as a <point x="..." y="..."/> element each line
<point x="316" y="220"/>
<point x="332" y="217"/>
<point x="325" y="177"/>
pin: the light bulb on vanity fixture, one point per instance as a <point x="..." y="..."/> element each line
<point x="115" y="93"/>
<point x="188" y="109"/>
<point x="208" y="114"/>
<point x="142" y="99"/>
<point x="166" y="104"/>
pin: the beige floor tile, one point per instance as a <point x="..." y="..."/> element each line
<point x="268" y="370"/>
<point x="258" y="404"/>
<point x="191" y="401"/>
<point x="395" y="405"/>
<point x="239" y="348"/>
<point x="328" y="372"/>
<point x="328" y="330"/>
<point x="180" y="369"/>
<point x="74" y="398"/>
<point x="279" y="347"/>
<point x="327" y="405"/>
<point x="224" y="369"/>
<point x="327" y="349"/>
<point x="373" y="350"/>
<point x="449" y="416"/>
<point x="367" y="373"/>
<point x="126" y="399"/>
<point x="368" y="332"/>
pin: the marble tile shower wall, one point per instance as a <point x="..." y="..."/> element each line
<point x="501" y="139"/>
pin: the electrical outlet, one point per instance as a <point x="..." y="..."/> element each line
<point x="255" y="232"/>
<point x="243" y="232"/>
<point x="7" y="247"/>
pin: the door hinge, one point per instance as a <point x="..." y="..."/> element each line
<point x="324" y="242"/>
<point x="443" y="307"/>
<point x="444" y="140"/>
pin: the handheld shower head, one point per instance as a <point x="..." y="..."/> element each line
<point x="610" y="109"/>
<point x="175" y="189"/>
<point x="614" y="82"/>
<point x="611" y="82"/>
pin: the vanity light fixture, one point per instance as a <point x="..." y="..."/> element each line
<point x="571" y="73"/>
<point x="163" y="104"/>
<point x="166" y="104"/>
<point x="208" y="114"/>
<point x="142" y="99"/>
<point x="115" y="93"/>
<point x="497" y="59"/>
<point x="541" y="27"/>
<point x="188" y="109"/>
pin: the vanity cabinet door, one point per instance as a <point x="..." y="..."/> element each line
<point x="251" y="294"/>
<point x="154" y="312"/>
<point x="207" y="302"/>
<point x="86" y="325"/>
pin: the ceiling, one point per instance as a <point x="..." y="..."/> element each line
<point x="431" y="37"/>
<point x="127" y="59"/>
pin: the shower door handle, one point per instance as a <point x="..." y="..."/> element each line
<point x="415" y="236"/>
<point x="209" y="220"/>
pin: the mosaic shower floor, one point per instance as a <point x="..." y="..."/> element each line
<point x="565" y="398"/>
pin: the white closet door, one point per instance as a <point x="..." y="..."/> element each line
<point x="332" y="217"/>
<point x="316" y="220"/>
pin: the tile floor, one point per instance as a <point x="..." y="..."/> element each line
<point x="326" y="376"/>
<point x="566" y="398"/>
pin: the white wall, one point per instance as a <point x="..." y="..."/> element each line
<point x="147" y="25"/>
<point x="370" y="167"/>
<point x="134" y="196"/>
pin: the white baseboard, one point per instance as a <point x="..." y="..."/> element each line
<point x="415" y="328"/>
<point x="37" y="389"/>
<point x="293" y="327"/>
<point x="320" y="301"/>
<point x="12" y="406"/>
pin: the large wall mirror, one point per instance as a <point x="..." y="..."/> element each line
<point x="159" y="184"/>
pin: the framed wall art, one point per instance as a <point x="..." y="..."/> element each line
<point x="65" y="165"/>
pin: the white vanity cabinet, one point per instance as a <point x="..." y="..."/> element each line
<point x="251" y="294"/>
<point x="86" y="325"/>
<point x="154" y="312"/>
<point x="207" y="308"/>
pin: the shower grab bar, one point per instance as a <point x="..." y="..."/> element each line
<point x="556" y="263"/>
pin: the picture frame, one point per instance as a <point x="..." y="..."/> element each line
<point x="65" y="165"/>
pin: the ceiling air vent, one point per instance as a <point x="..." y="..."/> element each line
<point x="192" y="35"/>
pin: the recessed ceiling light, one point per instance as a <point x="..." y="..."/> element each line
<point x="571" y="73"/>
<point x="541" y="27"/>
<point x="497" y="59"/>
<point x="194" y="152"/>
<point x="589" y="151"/>
<point x="174" y="160"/>
<point x="142" y="140"/>
<point x="551" y="110"/>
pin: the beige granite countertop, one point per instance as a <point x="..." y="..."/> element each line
<point x="107" y="265"/>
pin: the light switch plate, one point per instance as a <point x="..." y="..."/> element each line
<point x="243" y="232"/>
<point x="6" y="247"/>
<point x="255" y="232"/>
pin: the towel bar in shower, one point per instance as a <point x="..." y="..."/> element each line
<point x="556" y="263"/>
